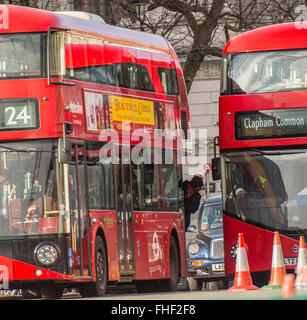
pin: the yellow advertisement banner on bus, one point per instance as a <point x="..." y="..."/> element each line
<point x="132" y="110"/>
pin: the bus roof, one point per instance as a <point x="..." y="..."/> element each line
<point x="275" y="37"/>
<point x="24" y="19"/>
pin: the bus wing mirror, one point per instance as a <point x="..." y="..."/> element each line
<point x="64" y="150"/>
<point x="216" y="168"/>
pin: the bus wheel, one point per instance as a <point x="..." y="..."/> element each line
<point x="195" y="284"/>
<point x="171" y="283"/>
<point x="222" y="284"/>
<point x="52" y="292"/>
<point x="31" y="294"/>
<point x="97" y="288"/>
<point x="211" y="286"/>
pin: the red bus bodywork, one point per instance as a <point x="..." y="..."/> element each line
<point x="259" y="240"/>
<point x="152" y="230"/>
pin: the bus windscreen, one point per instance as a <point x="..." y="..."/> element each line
<point x="260" y="72"/>
<point x="20" y="55"/>
<point x="267" y="188"/>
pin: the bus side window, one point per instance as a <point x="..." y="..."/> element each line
<point x="143" y="80"/>
<point x="144" y="184"/>
<point x="103" y="74"/>
<point x="108" y="186"/>
<point x="137" y="187"/>
<point x="96" y="197"/>
<point x="119" y="76"/>
<point x="159" y="115"/>
<point x="168" y="77"/>
<point x="51" y="192"/>
<point x="170" y="195"/>
<point x="155" y="186"/>
<point x="101" y="186"/>
<point x="150" y="187"/>
<point x="82" y="74"/>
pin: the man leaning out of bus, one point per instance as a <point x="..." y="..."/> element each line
<point x="192" y="197"/>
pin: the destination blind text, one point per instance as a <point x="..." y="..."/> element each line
<point x="269" y="123"/>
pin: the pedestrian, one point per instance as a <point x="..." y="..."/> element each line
<point x="192" y="197"/>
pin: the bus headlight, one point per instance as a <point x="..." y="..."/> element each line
<point x="46" y="254"/>
<point x="193" y="248"/>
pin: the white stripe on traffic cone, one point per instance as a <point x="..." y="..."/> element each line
<point x="301" y="269"/>
<point x="278" y="269"/>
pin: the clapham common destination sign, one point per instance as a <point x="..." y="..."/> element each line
<point x="274" y="123"/>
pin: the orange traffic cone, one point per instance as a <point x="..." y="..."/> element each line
<point x="288" y="288"/>
<point x="243" y="279"/>
<point x="278" y="269"/>
<point x="301" y="269"/>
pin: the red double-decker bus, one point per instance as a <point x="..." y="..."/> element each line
<point x="71" y="92"/>
<point x="263" y="136"/>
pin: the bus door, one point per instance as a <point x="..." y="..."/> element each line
<point x="125" y="230"/>
<point x="79" y="257"/>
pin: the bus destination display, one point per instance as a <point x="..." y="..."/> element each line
<point x="267" y="124"/>
<point x="18" y="114"/>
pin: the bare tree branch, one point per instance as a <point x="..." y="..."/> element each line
<point x="195" y="28"/>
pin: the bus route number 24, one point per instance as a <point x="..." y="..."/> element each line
<point x="13" y="116"/>
<point x="19" y="116"/>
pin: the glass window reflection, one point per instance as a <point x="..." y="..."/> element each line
<point x="268" y="188"/>
<point x="211" y="218"/>
<point x="272" y="71"/>
<point x="28" y="188"/>
<point x="20" y="55"/>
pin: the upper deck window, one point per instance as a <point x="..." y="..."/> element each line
<point x="168" y="78"/>
<point x="96" y="60"/>
<point x="21" y="55"/>
<point x="260" y="72"/>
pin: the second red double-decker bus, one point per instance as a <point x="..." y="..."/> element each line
<point x="263" y="138"/>
<point x="71" y="92"/>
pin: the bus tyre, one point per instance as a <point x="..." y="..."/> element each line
<point x="31" y="293"/>
<point x="211" y="286"/>
<point x="97" y="288"/>
<point x="52" y="292"/>
<point x="222" y="284"/>
<point x="174" y="261"/>
<point x="195" y="284"/>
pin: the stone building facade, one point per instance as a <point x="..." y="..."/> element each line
<point x="203" y="101"/>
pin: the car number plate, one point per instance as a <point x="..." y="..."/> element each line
<point x="290" y="261"/>
<point x="218" y="267"/>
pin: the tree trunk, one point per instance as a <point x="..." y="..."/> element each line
<point x="202" y="42"/>
<point x="192" y="64"/>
